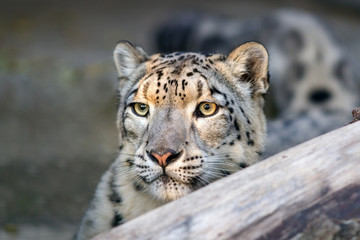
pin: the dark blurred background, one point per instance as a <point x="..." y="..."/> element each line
<point x="57" y="95"/>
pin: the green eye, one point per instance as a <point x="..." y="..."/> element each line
<point x="207" y="109"/>
<point x="141" y="109"/>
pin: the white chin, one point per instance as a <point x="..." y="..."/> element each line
<point x="167" y="189"/>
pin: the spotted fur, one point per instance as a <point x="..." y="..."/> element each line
<point x="174" y="149"/>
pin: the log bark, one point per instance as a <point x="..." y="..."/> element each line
<point x="311" y="191"/>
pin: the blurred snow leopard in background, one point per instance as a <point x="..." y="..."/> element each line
<point x="312" y="84"/>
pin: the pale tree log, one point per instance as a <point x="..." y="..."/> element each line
<point x="311" y="191"/>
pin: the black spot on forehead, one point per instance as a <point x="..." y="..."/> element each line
<point x="145" y="88"/>
<point x="199" y="88"/>
<point x="160" y="74"/>
<point x="194" y="62"/>
<point x="177" y="70"/>
<point x="155" y="60"/>
<point x="183" y="83"/>
<point x="179" y="56"/>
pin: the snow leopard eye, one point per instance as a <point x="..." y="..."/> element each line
<point x="206" y="109"/>
<point x="140" y="109"/>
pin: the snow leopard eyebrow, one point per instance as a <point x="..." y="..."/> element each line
<point x="219" y="96"/>
<point x="131" y="93"/>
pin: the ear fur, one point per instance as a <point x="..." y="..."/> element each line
<point x="127" y="58"/>
<point x="249" y="62"/>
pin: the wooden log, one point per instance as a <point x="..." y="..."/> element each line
<point x="311" y="191"/>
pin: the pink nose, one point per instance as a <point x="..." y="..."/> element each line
<point x="164" y="159"/>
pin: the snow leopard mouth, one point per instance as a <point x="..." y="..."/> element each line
<point x="164" y="179"/>
<point x="167" y="188"/>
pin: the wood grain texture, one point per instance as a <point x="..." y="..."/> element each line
<point x="302" y="193"/>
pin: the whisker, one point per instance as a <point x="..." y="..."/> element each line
<point x="224" y="164"/>
<point x="216" y="175"/>
<point x="202" y="181"/>
<point x="127" y="154"/>
<point x="215" y="169"/>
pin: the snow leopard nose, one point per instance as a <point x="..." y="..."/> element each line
<point x="319" y="96"/>
<point x="164" y="158"/>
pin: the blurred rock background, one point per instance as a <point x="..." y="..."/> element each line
<point x="57" y="95"/>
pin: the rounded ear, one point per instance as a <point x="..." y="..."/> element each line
<point x="250" y="63"/>
<point x="127" y="58"/>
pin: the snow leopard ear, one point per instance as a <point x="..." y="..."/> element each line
<point x="127" y="58"/>
<point x="249" y="63"/>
